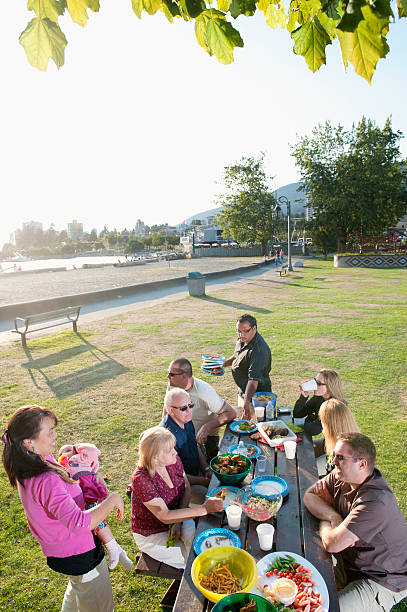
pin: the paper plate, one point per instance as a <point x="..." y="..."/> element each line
<point x="212" y="373"/>
<point x="269" y="486"/>
<point x="234" y="448"/>
<point x="230" y="494"/>
<point x="209" y="536"/>
<point x="234" y="426"/>
<point x="264" y="564"/>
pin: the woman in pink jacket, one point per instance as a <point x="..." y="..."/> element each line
<point x="55" y="510"/>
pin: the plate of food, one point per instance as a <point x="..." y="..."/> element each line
<point x="251" y="451"/>
<point x="227" y="494"/>
<point x="283" y="575"/>
<point x="277" y="431"/>
<point x="215" y="537"/>
<point x="269" y="486"/>
<point x="243" y="427"/>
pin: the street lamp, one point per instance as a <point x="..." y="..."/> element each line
<point x="284" y="200"/>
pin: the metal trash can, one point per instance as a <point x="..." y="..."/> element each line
<point x="196" y="284"/>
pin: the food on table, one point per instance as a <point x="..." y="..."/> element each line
<point x="263" y="398"/>
<point x="250" y="607"/>
<point x="260" y="504"/>
<point x="246" y="425"/>
<point x="208" y="544"/>
<point x="307" y="598"/>
<point x="172" y="538"/>
<point x="285" y="590"/>
<point x="221" y="494"/>
<point x="251" y="450"/>
<point x="231" y="464"/>
<point x="219" y="539"/>
<point x="273" y="431"/>
<point x="220" y="579"/>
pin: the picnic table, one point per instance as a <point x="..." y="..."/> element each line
<point x="296" y="530"/>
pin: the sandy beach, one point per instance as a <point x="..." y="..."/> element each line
<point x="15" y="289"/>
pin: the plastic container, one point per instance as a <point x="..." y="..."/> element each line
<point x="265" y="532"/>
<point x="271" y="397"/>
<point x="231" y="479"/>
<point x="242" y="449"/>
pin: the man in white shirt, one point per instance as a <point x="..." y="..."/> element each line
<point x="210" y="411"/>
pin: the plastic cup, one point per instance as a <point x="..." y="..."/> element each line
<point x="290" y="448"/>
<point x="259" y="412"/>
<point x="265" y="531"/>
<point x="309" y="385"/>
<point x="234" y="515"/>
<point x="261" y="463"/>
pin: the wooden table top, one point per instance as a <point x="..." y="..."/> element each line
<point x="296" y="530"/>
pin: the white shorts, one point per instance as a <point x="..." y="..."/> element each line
<point x="154" y="545"/>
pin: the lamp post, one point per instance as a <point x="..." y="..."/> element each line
<point x="284" y="200"/>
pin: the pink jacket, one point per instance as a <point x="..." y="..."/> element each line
<point x="55" y="515"/>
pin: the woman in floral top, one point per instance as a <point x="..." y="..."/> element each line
<point x="336" y="419"/>
<point x="160" y="495"/>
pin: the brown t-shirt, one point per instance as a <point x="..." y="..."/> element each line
<point x="371" y="513"/>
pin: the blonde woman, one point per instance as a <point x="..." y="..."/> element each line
<point x="160" y="495"/>
<point x="329" y="385"/>
<point x="336" y="419"/>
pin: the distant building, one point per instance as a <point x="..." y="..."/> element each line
<point x="402" y="223"/>
<point x="32" y="225"/>
<point x="140" y="228"/>
<point x="75" y="230"/>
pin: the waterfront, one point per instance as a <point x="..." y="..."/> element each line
<point x="67" y="262"/>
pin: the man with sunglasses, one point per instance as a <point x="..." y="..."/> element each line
<point x="362" y="525"/>
<point x="209" y="412"/>
<point x="251" y="364"/>
<point x="178" y="420"/>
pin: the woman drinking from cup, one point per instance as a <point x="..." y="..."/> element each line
<point x="336" y="419"/>
<point x="160" y="494"/>
<point x="55" y="510"/>
<point x="325" y="385"/>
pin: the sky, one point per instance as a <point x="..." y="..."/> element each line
<point x="140" y="121"/>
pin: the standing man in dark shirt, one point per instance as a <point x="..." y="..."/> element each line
<point x="363" y="526"/>
<point x="251" y="364"/>
<point x="179" y="421"/>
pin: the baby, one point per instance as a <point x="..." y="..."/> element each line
<point x="81" y="461"/>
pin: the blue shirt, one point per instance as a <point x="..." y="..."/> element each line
<point x="186" y="444"/>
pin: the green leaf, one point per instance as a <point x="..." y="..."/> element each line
<point x="242" y="7"/>
<point x="43" y="40"/>
<point x="170" y="9"/>
<point x="328" y="24"/>
<point x="223" y="5"/>
<point x="195" y="7"/>
<point x="330" y="8"/>
<point x="364" y="47"/>
<point x="78" y="9"/>
<point x="352" y="15"/>
<point x="150" y="6"/>
<point x="402" y="8"/>
<point x="275" y="15"/>
<point x="216" y="35"/>
<point x="51" y="9"/>
<point x="310" y="41"/>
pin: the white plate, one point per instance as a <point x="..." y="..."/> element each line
<point x="277" y="441"/>
<point x="264" y="564"/>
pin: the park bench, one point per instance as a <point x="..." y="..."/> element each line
<point x="147" y="566"/>
<point x="283" y="269"/>
<point x="70" y="314"/>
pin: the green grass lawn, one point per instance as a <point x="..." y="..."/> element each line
<point x="107" y="384"/>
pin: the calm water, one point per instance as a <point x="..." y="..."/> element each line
<point x="69" y="263"/>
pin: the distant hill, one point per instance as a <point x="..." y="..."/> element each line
<point x="290" y="191"/>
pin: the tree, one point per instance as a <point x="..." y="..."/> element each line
<point x="134" y="246"/>
<point x="323" y="233"/>
<point x="248" y="213"/>
<point x="361" y="27"/>
<point x="354" y="178"/>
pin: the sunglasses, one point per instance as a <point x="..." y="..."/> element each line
<point x="171" y="374"/>
<point x="183" y="408"/>
<point x="340" y="458"/>
<point x="319" y="383"/>
<point x="243" y="331"/>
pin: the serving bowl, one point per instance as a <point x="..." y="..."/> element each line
<point x="231" y="479"/>
<point x="234" y="602"/>
<point x="259" y="515"/>
<point x="239" y="562"/>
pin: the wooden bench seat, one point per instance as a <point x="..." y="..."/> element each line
<point x="283" y="270"/>
<point x="69" y="314"/>
<point x="147" y="566"/>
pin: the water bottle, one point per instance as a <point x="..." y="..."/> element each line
<point x="270" y="412"/>
<point x="241" y="449"/>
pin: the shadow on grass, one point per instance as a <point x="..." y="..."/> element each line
<point x="74" y="382"/>
<point x="236" y="305"/>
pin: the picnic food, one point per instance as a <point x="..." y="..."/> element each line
<point x="273" y="431"/>
<point x="231" y="464"/>
<point x="246" y="425"/>
<point x="263" y="398"/>
<point x="250" y="607"/>
<point x="285" y="590"/>
<point x="261" y="504"/>
<point x="221" y="494"/>
<point x="220" y="579"/>
<point x="172" y="538"/>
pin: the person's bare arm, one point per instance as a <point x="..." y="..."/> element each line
<point x="228" y="362"/>
<point x="184" y="503"/>
<point x="336" y="539"/>
<point x="251" y="389"/>
<point x="226" y="415"/>
<point x="158" y="507"/>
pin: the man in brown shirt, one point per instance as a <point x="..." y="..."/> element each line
<point x="363" y="526"/>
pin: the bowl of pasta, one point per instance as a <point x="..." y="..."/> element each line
<point x="258" y="508"/>
<point x="223" y="570"/>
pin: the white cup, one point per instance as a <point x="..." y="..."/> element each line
<point x="309" y="385"/>
<point x="259" y="412"/>
<point x="290" y="447"/>
<point x="234" y="515"/>
<point x="265" y="531"/>
<point x="261" y="463"/>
